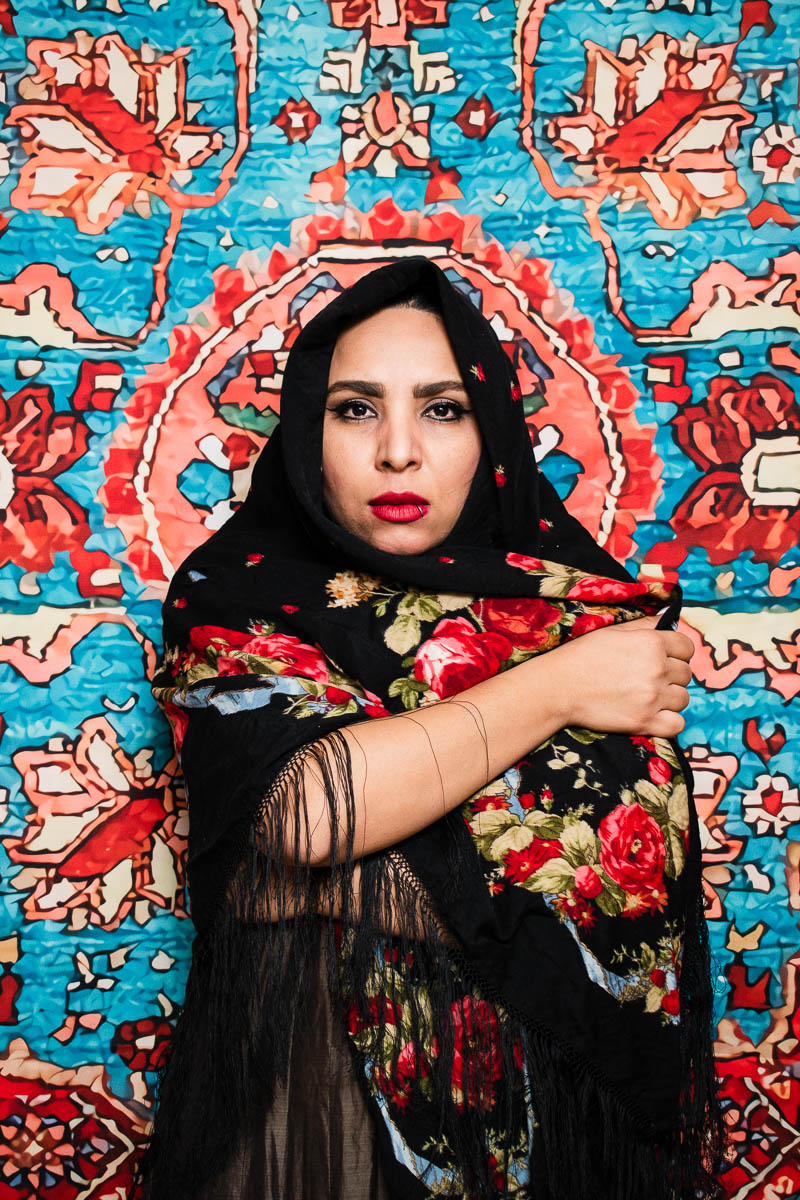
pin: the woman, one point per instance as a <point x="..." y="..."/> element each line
<point x="443" y="860"/>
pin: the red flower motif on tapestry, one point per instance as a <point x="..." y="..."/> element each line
<point x="38" y="518"/>
<point x="103" y="128"/>
<point x="297" y="119"/>
<point x="105" y="838"/>
<point x="142" y="1044"/>
<point x="10" y="988"/>
<point x="655" y="125"/>
<point x="64" y="1132"/>
<point x="7" y="14"/>
<point x="476" y="117"/>
<point x="384" y="133"/>
<point x="746" y="438"/>
<point x="387" y="24"/>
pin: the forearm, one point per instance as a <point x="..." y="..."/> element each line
<point x="409" y="769"/>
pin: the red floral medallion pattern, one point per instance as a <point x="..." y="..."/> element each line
<point x="38" y="516"/>
<point x="745" y="438"/>
<point x="63" y="1133"/>
<point x="179" y="416"/>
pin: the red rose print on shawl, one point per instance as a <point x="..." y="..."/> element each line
<point x="293" y="656"/>
<point x="633" y="852"/>
<point x="586" y="622"/>
<point x="519" y="864"/>
<point x="399" y="1084"/>
<point x="587" y="882"/>
<point x="527" y="622"/>
<point x="476" y="1041"/>
<point x="489" y="803"/>
<point x="179" y="721"/>
<point x="525" y="562"/>
<point x="458" y="656"/>
<point x="599" y="589"/>
<point x="658" y="770"/>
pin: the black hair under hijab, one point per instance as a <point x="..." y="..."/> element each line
<point x="516" y="1042"/>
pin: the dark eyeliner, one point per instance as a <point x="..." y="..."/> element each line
<point x="340" y="409"/>
<point x="458" y="410"/>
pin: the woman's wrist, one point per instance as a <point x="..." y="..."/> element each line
<point x="548" y="689"/>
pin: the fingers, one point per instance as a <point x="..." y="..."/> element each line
<point x="679" y="671"/>
<point x="648" y="622"/>
<point x="667" y="724"/>
<point x="677" y="645"/>
<point x="676" y="697"/>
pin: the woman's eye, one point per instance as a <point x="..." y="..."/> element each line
<point x="353" y="410"/>
<point x="446" y="410"/>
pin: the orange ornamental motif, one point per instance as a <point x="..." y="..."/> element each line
<point x="105" y="837"/>
<point x="387" y="22"/>
<point x="65" y="1133"/>
<point x="39" y="517"/>
<point x="745" y="437"/>
<point x="657" y="129"/>
<point x="104" y="128"/>
<point x="209" y="407"/>
<point x="655" y="125"/>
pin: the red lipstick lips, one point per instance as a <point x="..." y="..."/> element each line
<point x="399" y="506"/>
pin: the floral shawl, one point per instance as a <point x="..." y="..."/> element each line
<point x="546" y="1029"/>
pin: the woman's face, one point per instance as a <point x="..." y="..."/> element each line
<point x="400" y="442"/>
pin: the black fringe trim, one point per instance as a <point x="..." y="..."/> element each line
<point x="255" y="965"/>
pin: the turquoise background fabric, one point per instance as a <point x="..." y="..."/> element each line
<point x="178" y="182"/>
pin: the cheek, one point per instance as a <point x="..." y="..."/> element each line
<point x="333" y="490"/>
<point x="461" y="464"/>
<point x="340" y="470"/>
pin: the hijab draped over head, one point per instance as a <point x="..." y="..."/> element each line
<point x="546" y="1031"/>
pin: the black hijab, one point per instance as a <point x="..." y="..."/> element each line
<point x="589" y="953"/>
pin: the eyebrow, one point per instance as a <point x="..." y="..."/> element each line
<point x="421" y="391"/>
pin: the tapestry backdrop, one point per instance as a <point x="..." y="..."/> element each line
<point x="185" y="182"/>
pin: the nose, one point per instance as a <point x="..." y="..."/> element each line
<point x="398" y="444"/>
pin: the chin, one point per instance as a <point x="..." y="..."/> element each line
<point x="401" y="541"/>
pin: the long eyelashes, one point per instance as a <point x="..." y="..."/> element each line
<point x="360" y="410"/>
<point x="346" y="410"/>
<point x="456" y="410"/>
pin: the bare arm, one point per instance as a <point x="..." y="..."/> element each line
<point x="409" y="769"/>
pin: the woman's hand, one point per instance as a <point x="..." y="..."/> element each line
<point x="627" y="678"/>
<point x="410" y="768"/>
